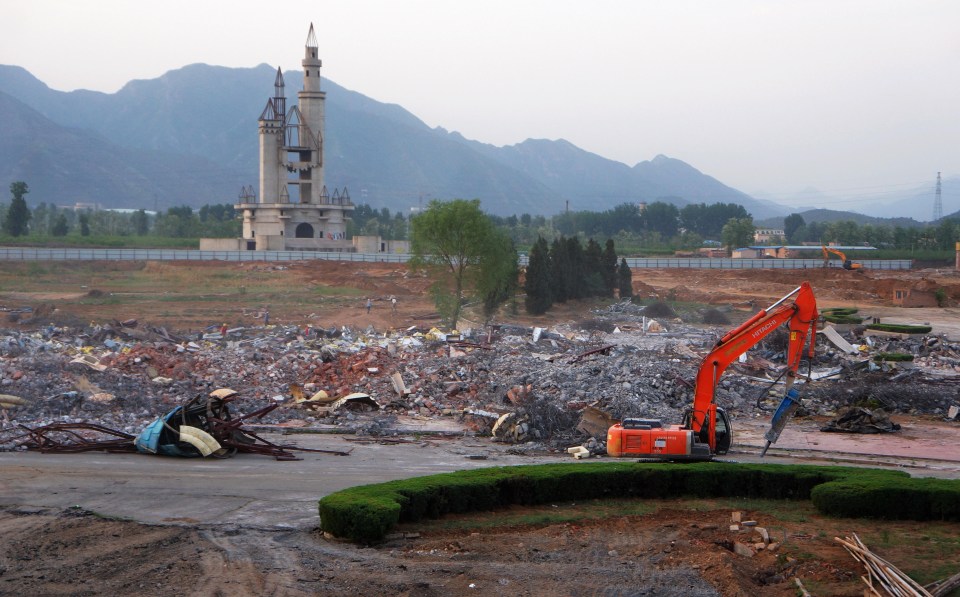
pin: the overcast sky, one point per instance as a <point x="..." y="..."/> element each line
<point x="851" y="97"/>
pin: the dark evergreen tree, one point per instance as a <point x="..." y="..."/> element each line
<point x="141" y="224"/>
<point x="539" y="285"/>
<point x="84" y="219"/>
<point x="60" y="227"/>
<point x="575" y="274"/>
<point x="559" y="269"/>
<point x="608" y="268"/>
<point x="625" y="279"/>
<point x="592" y="281"/>
<point x="18" y="214"/>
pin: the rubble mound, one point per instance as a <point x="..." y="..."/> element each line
<point x="714" y="317"/>
<point x="659" y="309"/>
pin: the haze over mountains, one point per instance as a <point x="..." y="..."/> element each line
<point x="189" y="137"/>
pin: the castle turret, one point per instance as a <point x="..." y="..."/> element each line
<point x="311" y="102"/>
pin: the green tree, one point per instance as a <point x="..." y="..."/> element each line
<point x="454" y="237"/>
<point x="791" y="224"/>
<point x="499" y="273"/>
<point x="593" y="283"/>
<point x="60" y="227"/>
<point x="609" y="268"/>
<point x="84" y="219"/>
<point x="624" y="279"/>
<point x="141" y="223"/>
<point x="539" y="284"/>
<point x="17" y="222"/>
<point x="661" y="217"/>
<point x="737" y="232"/>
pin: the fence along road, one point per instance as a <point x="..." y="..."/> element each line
<point x="42" y="254"/>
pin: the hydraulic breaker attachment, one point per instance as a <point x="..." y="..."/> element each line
<point x="788" y="406"/>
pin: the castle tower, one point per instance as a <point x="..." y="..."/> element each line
<point x="294" y="210"/>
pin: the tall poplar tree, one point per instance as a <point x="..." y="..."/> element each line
<point x="18" y="214"/>
<point x="625" y="279"/>
<point x="538" y="284"/>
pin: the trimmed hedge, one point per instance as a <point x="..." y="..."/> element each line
<point x="900" y="328"/>
<point x="367" y="513"/>
<point x="893" y="357"/>
<point x="841" y="315"/>
<point x="873" y="497"/>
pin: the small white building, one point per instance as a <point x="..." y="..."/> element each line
<point x="765" y="235"/>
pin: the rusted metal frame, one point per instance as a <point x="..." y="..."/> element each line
<point x="265" y="444"/>
<point x="581" y="356"/>
<point x="463" y="344"/>
<point x="44" y="442"/>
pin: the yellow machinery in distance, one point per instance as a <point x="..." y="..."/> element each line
<point x="846" y="263"/>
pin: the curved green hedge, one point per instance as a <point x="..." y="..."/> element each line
<point x="841" y="315"/>
<point x="367" y="513"/>
<point x="900" y="328"/>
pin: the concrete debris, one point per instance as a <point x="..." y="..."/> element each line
<point x="837" y="340"/>
<point x="558" y="391"/>
<point x="862" y="420"/>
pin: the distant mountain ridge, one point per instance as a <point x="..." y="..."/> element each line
<point x="190" y="137"/>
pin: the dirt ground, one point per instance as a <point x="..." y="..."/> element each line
<point x="683" y="548"/>
<point x="191" y="296"/>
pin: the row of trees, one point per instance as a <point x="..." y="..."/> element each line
<point x="939" y="236"/>
<point x="659" y="226"/>
<point x="565" y="270"/>
<point x="18" y="220"/>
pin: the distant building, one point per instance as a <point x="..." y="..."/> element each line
<point x="765" y="235"/>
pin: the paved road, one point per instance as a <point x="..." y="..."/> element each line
<point x="248" y="490"/>
<point x="259" y="492"/>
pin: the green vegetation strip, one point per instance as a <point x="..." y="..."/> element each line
<point x="368" y="513"/>
<point x="900" y="328"/>
<point x="893" y="357"/>
<point x="841" y="315"/>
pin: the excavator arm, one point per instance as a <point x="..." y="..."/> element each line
<point x="802" y="316"/>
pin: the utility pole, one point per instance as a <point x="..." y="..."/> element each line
<point x="938" y="202"/>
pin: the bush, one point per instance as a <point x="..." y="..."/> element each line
<point x="367" y="513"/>
<point x="898" y="357"/>
<point x="900" y="328"/>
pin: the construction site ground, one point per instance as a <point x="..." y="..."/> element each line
<point x="94" y="523"/>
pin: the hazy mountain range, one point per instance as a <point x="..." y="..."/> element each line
<point x="189" y="137"/>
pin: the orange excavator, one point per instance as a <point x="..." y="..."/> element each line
<point x="846" y="263"/>
<point x="706" y="430"/>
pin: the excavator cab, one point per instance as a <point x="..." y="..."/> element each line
<point x="722" y="435"/>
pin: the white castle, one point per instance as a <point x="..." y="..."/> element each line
<point x="294" y="211"/>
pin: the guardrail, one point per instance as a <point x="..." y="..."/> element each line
<point x="45" y="254"/>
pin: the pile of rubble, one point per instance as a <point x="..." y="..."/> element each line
<point x="541" y="388"/>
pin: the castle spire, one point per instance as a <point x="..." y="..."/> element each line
<point x="279" y="96"/>
<point x="311" y="38"/>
